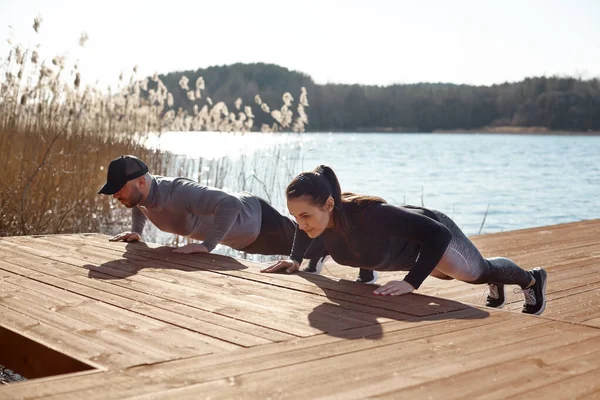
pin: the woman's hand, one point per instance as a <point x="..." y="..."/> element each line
<point x="394" y="288"/>
<point x="290" y="266"/>
<point x="191" y="248"/>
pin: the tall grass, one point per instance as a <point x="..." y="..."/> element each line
<point x="57" y="137"/>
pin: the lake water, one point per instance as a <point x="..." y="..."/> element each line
<point x="522" y="181"/>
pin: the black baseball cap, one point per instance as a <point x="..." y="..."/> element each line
<point x="120" y="171"/>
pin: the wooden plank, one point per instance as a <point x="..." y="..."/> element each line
<point x="135" y="389"/>
<point x="110" y="340"/>
<point x="100" y="296"/>
<point x="576" y="387"/>
<point x="256" y="293"/>
<point x="405" y="366"/>
<point x="151" y="334"/>
<point x="284" y="353"/>
<point x="322" y="355"/>
<point x="199" y="262"/>
<point x="331" y="376"/>
<point x="66" y="386"/>
<point x="479" y="297"/>
<point x="513" y="353"/>
<point x="325" y="346"/>
<point x="577" y="307"/>
<point x="151" y="313"/>
<point x="595" y="322"/>
<point x="233" y="330"/>
<point x="324" y="317"/>
<point x="384" y="373"/>
<point x="248" y="310"/>
<point x="102" y="324"/>
<point x="542" y="374"/>
<point x="332" y="289"/>
<point x="8" y="392"/>
<point x="269" y="308"/>
<point x="506" y="379"/>
<point x="540" y="235"/>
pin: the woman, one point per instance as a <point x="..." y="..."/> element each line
<point x="365" y="232"/>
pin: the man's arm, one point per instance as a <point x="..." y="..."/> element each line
<point x="138" y="221"/>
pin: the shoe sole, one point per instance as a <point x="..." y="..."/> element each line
<point x="545" y="274"/>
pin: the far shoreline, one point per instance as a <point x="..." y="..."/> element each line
<point x="492" y="130"/>
<point x="519" y="130"/>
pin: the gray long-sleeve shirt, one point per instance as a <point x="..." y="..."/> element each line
<point x="184" y="207"/>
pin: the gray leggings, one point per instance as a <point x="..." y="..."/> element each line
<point x="463" y="261"/>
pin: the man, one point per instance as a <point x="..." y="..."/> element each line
<point x="178" y="205"/>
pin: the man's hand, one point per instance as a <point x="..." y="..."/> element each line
<point x="191" y="248"/>
<point x="126" y="237"/>
<point x="290" y="267"/>
<point x="394" y="288"/>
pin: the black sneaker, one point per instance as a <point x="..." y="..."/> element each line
<point x="367" y="276"/>
<point x="315" y="265"/>
<point x="497" y="295"/>
<point x="535" y="296"/>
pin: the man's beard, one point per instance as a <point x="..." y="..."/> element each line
<point x="134" y="199"/>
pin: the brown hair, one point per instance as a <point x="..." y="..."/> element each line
<point x="322" y="183"/>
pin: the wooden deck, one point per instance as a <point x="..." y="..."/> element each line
<point x="147" y="323"/>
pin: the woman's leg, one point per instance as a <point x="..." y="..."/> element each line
<point x="463" y="261"/>
<point x="440" y="275"/>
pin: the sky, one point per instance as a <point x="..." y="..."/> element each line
<point x="372" y="42"/>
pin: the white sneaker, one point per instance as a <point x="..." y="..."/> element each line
<point x="367" y="276"/>
<point x="315" y="265"/>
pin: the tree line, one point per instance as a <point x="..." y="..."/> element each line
<point x="555" y="103"/>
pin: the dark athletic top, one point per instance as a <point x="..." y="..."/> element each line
<point x="383" y="237"/>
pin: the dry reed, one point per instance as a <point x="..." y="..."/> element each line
<point x="57" y="137"/>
